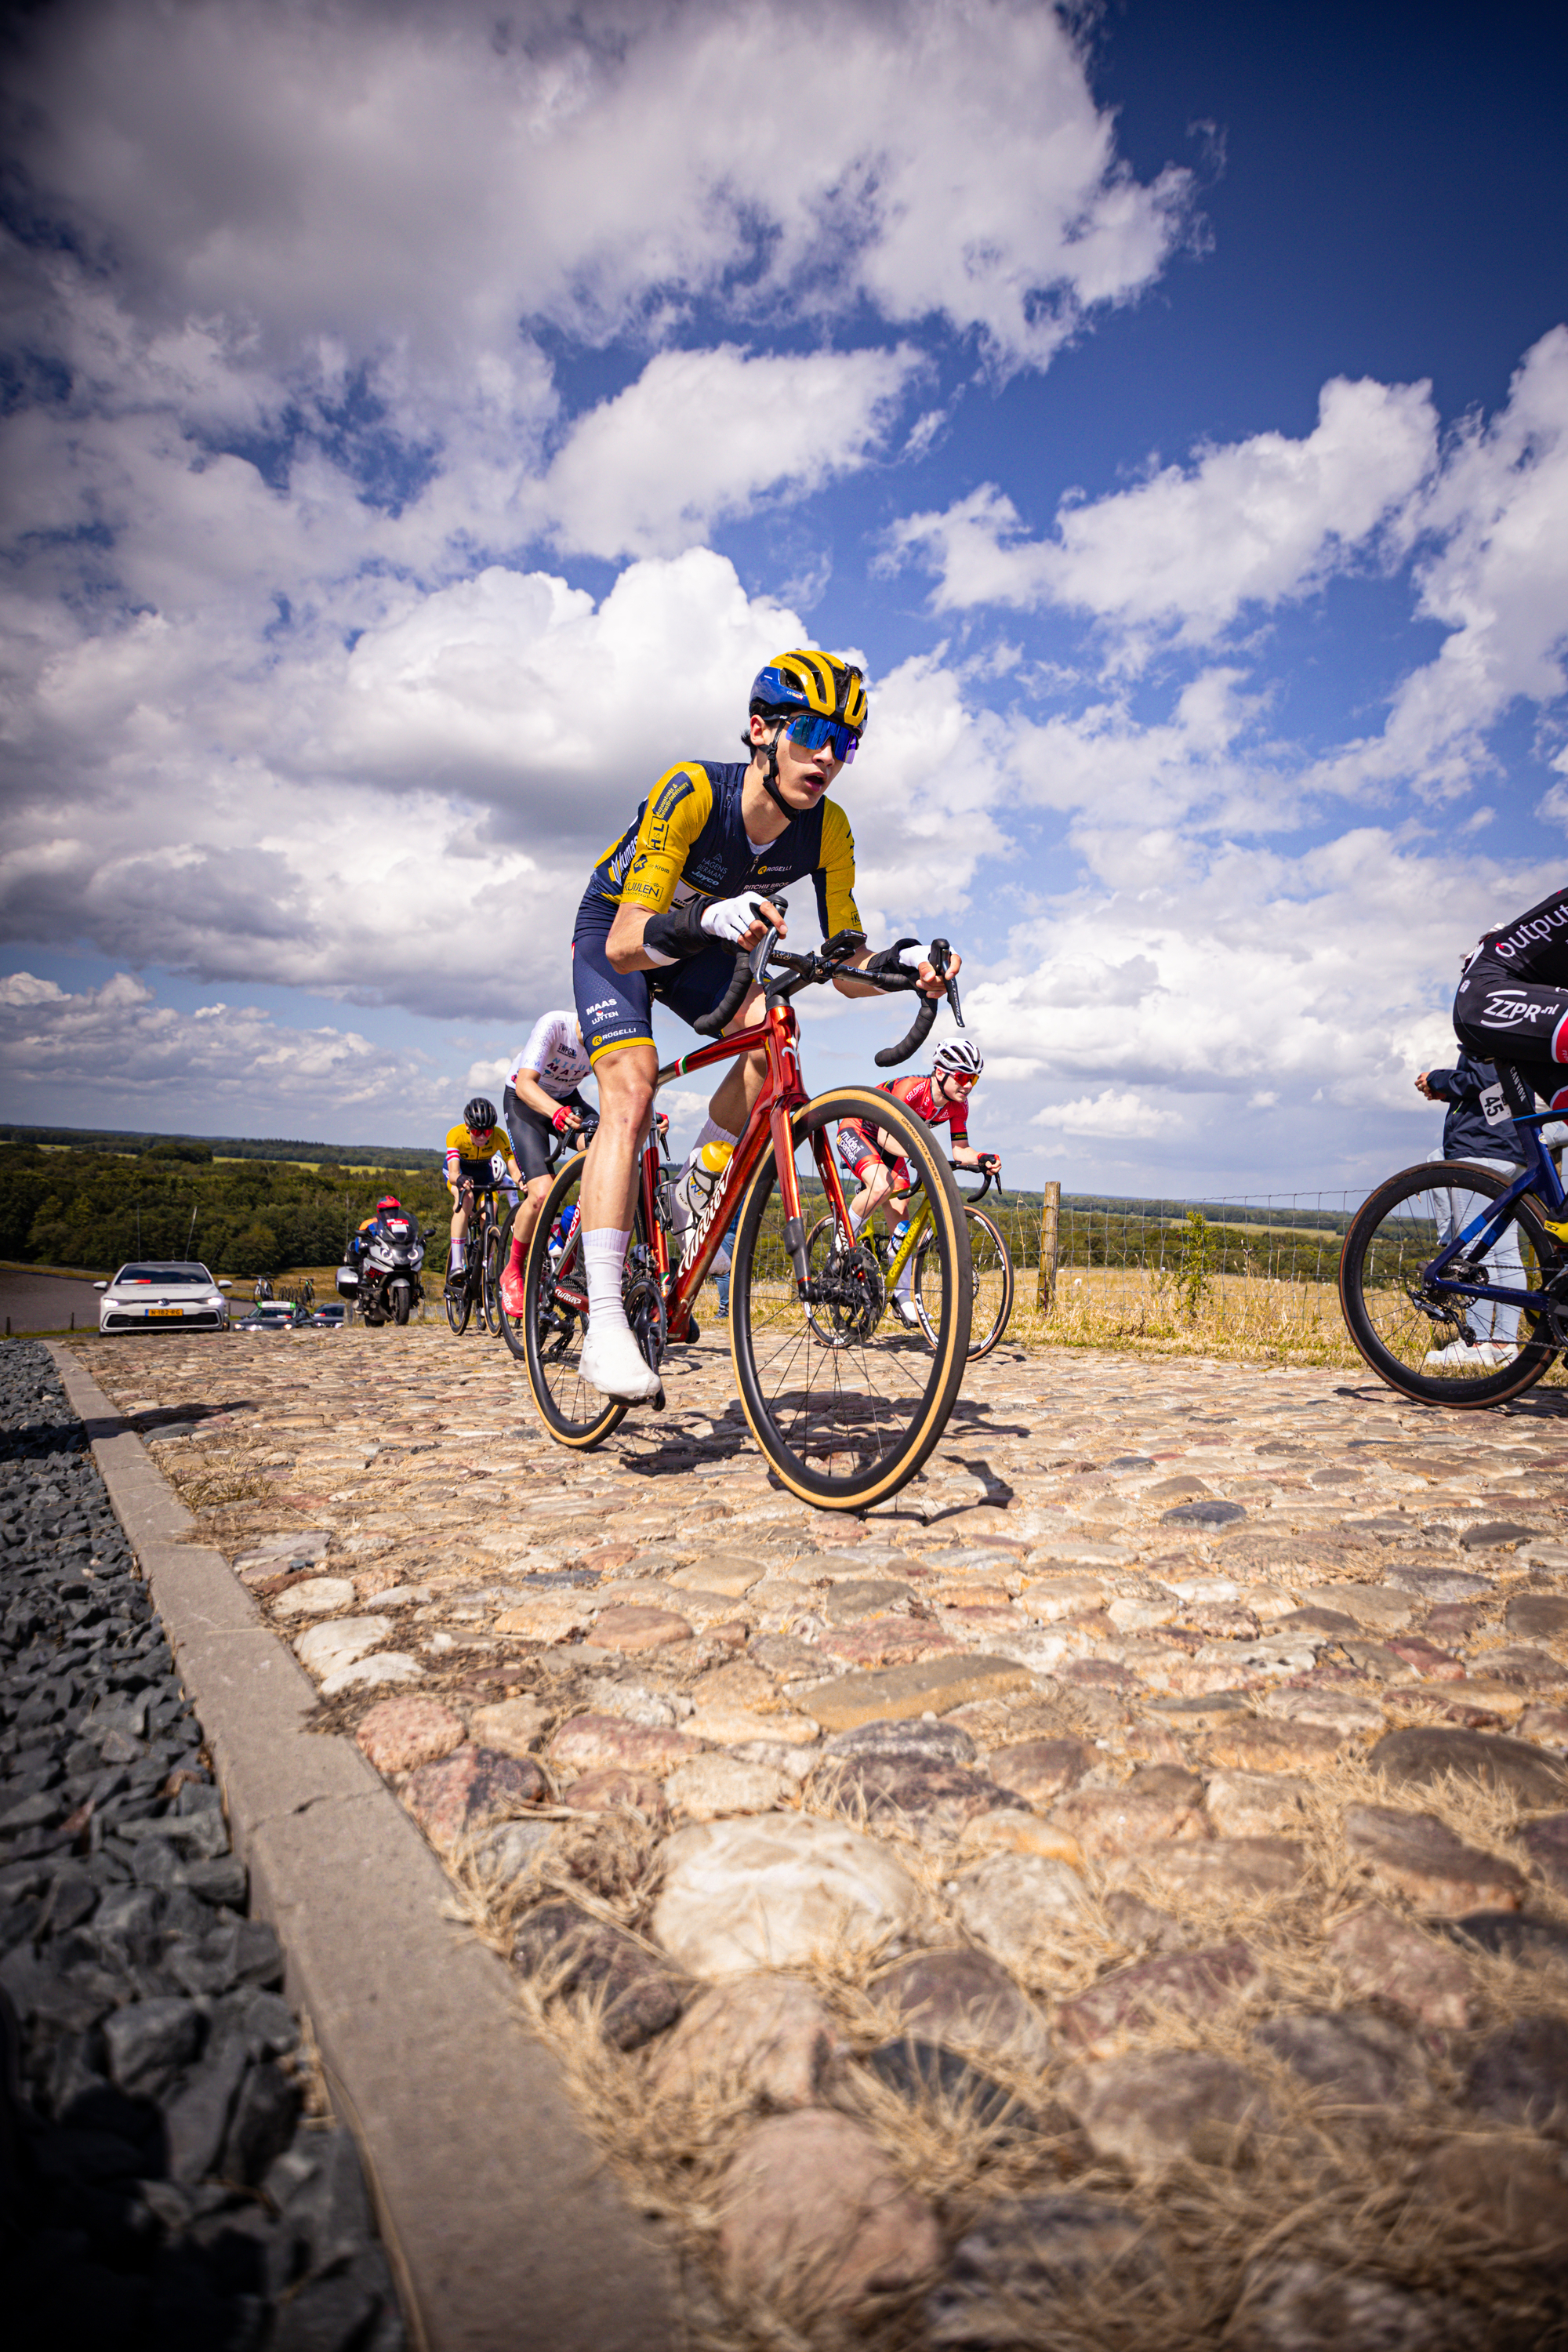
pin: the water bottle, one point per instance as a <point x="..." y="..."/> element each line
<point x="695" y="1188"/>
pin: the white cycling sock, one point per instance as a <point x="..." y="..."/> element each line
<point x="603" y="1255"/>
<point x="712" y="1133"/>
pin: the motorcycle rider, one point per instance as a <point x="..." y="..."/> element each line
<point x="388" y="1203"/>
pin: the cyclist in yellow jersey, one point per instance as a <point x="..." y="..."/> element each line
<point x="472" y="1149"/>
<point x="667" y="907"/>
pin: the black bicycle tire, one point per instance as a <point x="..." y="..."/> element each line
<point x="916" y="1144"/>
<point x="1532" y="1362"/>
<point x="511" y="1334"/>
<point x="982" y="1346"/>
<point x="583" y="1436"/>
<point x="459" y="1307"/>
<point x="489" y="1283"/>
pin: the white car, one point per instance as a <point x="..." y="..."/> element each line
<point x="167" y="1291"/>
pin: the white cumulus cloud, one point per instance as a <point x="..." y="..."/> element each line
<point x="1251" y="523"/>
<point x="114" y="1055"/>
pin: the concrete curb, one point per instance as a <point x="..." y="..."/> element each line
<point x="503" y="2228"/>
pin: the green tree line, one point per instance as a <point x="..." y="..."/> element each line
<point x="257" y="1217"/>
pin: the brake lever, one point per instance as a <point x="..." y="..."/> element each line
<point x="940" y="957"/>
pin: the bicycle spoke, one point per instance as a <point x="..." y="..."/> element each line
<point x="1432" y="1341"/>
<point x="837" y="1383"/>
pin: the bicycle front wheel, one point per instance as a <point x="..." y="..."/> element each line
<point x="845" y="1402"/>
<point x="459" y="1303"/>
<point x="992" y="1266"/>
<point x="1433" y="1344"/>
<point x="489" y="1281"/>
<point x="554" y="1323"/>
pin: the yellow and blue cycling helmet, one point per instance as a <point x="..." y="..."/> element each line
<point x="822" y="697"/>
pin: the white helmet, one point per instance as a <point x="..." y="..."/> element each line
<point x="958" y="1053"/>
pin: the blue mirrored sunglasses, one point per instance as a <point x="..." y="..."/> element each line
<point x="812" y="732"/>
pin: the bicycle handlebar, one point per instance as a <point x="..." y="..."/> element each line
<point x="920" y="1027"/>
<point x="806" y="970"/>
<point x="714" y="1023"/>
<point x="988" y="1175"/>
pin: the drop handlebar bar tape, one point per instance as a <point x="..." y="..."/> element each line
<point x="714" y="1023"/>
<point x="919" y="1030"/>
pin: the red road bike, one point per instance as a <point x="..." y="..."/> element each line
<point x="845" y="1402"/>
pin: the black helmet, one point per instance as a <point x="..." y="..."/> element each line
<point x="479" y="1115"/>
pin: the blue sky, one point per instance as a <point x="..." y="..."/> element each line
<point x="420" y="428"/>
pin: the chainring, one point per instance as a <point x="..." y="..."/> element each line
<point x="645" y="1313"/>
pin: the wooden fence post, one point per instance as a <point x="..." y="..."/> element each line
<point x="1050" y="1240"/>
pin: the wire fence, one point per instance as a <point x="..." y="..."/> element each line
<point x="1252" y="1275"/>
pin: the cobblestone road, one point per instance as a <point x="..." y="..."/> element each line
<point x="1035" y="1906"/>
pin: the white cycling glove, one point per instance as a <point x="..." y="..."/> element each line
<point x="729" y="918"/>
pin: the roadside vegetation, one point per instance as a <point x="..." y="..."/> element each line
<point x="175" y="1199"/>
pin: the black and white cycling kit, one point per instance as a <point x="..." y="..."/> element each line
<point x="556" y="1062"/>
<point x="1512" y="1005"/>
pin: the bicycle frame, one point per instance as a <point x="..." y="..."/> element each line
<point x="1539" y="1176"/>
<point x="776" y="1034"/>
<point x="920" y="1216"/>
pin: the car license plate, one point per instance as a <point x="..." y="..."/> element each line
<point x="164" y="1311"/>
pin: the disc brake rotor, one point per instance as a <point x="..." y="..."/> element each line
<point x="851" y="1294"/>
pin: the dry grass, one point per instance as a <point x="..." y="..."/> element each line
<point x="1312" y="2180"/>
<point x="216" y="1481"/>
<point x="1244" y="1318"/>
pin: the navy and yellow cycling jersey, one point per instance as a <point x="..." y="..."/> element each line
<point x="689" y="841"/>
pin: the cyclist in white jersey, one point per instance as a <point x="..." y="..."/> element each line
<point x="541" y="1101"/>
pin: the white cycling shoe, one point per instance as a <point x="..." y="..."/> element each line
<point x="1467" y="1356"/>
<point x="615" y="1365"/>
<point x="903" y="1307"/>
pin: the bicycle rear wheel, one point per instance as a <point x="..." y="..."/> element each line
<point x="550" y="1332"/>
<point x="845" y="1402"/>
<point x="991" y="1267"/>
<point x="1429" y="1343"/>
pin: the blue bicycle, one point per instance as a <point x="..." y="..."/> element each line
<point x="1454" y="1279"/>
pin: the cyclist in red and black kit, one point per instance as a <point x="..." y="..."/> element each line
<point x="1512" y="1005"/>
<point x="941" y="1099"/>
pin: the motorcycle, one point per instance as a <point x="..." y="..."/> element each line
<point x="386" y="1281"/>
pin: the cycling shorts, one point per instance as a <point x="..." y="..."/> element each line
<point x="615" y="1008"/>
<point x="531" y="1133"/>
<point x="862" y="1158"/>
<point x="1505" y="1016"/>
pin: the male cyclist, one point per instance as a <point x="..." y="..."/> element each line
<point x="1512" y="1005"/>
<point x="541" y="1101"/>
<point x="941" y="1099"/>
<point x="666" y="908"/>
<point x="472" y="1151"/>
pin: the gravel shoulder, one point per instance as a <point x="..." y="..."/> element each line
<point x="174" y="2173"/>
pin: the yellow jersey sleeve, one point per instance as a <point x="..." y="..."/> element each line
<point x="836" y="876"/>
<point x="677" y="808"/>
